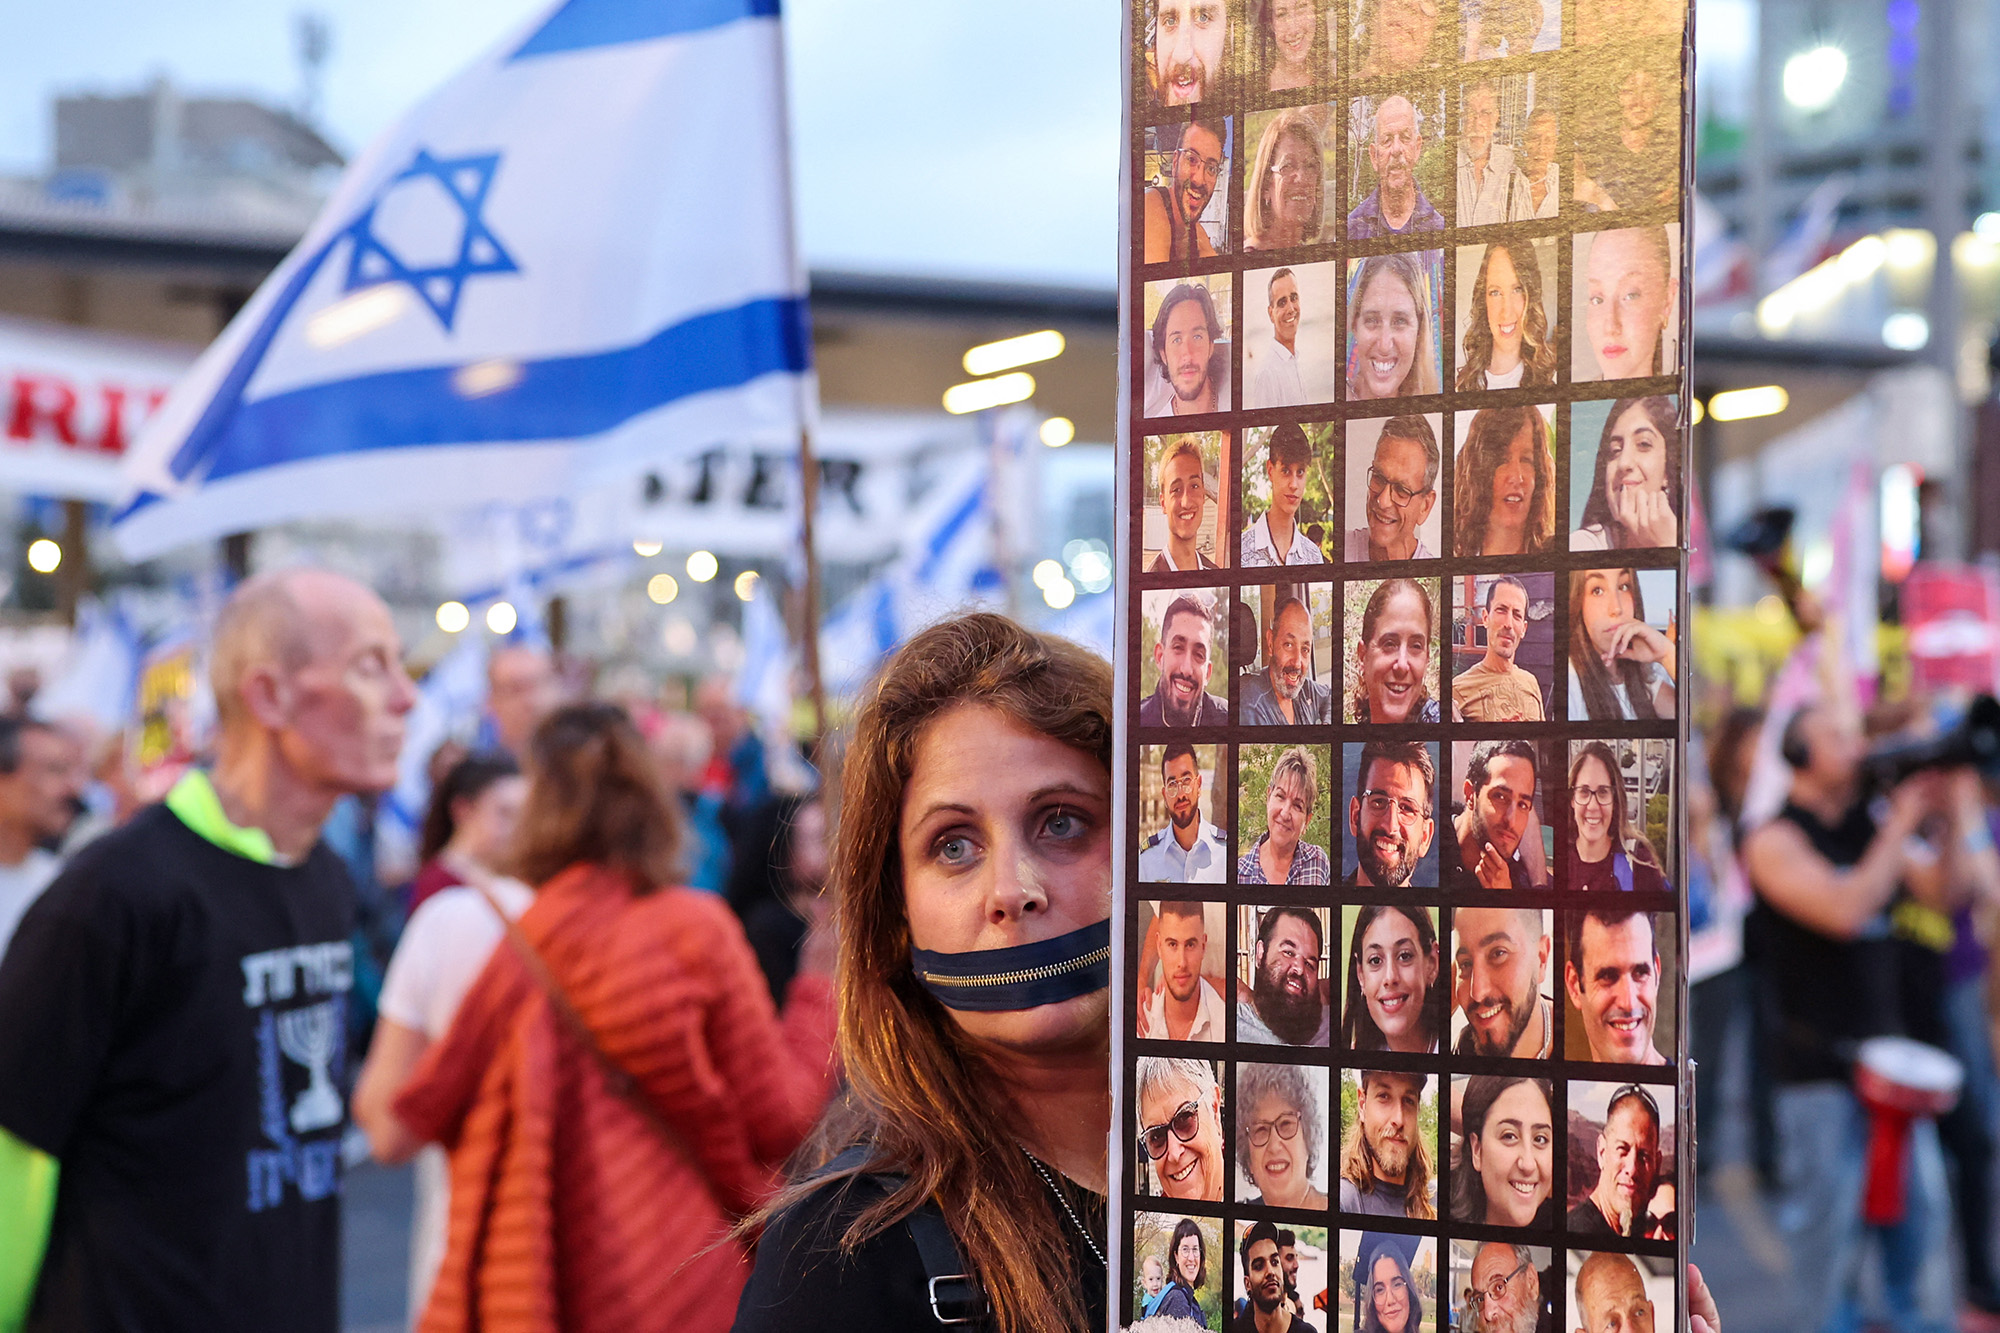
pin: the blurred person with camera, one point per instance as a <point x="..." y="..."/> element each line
<point x="1830" y="876"/>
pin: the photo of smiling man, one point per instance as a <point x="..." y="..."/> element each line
<point x="1512" y="614"/>
<point x="1396" y="134"/>
<point x="1497" y="821"/>
<point x="1612" y="970"/>
<point x="1392" y="472"/>
<point x="1500" y="962"/>
<point x="1387" y="1158"/>
<point x="1285" y="475"/>
<point x="1177" y="225"/>
<point x="1622" y="1184"/>
<point x="1185" y="641"/>
<point x="1290" y="336"/>
<point x="1179" y="523"/>
<point x="1391" y="814"/>
<point x="1189" y="51"/>
<point x="1287" y="687"/>
<point x="1283" y="990"/>
<point x="1187" y="368"/>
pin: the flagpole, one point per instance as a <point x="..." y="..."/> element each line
<point x="809" y="613"/>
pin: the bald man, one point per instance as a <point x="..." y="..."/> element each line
<point x="173" y="1008"/>
<point x="1611" y="1296"/>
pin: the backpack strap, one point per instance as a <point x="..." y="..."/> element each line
<point x="956" y="1297"/>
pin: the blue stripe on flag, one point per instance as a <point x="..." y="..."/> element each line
<point x="558" y="398"/>
<point x="582" y="24"/>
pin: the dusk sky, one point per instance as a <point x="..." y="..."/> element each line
<point x="931" y="138"/>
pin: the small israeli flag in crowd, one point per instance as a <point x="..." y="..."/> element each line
<point x="574" y="258"/>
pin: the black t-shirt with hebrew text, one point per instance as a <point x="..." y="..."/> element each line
<point x="172" y="1031"/>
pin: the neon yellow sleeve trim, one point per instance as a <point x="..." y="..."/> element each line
<point x="27" y="1204"/>
<point x="195" y="804"/>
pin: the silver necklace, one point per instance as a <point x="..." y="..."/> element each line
<point x="1069" y="1212"/>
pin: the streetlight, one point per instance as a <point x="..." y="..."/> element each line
<point x="452" y="617"/>
<point x="501" y="619"/>
<point x="1813" y="78"/>
<point x="44" y="556"/>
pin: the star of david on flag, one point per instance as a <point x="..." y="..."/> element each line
<point x="465" y="181"/>
<point x="569" y="263"/>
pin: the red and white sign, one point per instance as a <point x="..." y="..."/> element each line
<point x="71" y="402"/>
<point x="1952" y="613"/>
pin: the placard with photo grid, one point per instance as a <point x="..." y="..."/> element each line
<point x="1449" y="233"/>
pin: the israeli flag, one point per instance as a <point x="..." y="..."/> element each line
<point x="573" y="259"/>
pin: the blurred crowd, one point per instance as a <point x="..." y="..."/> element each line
<point x="1844" y="895"/>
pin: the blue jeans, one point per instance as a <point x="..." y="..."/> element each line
<point x="1822" y="1165"/>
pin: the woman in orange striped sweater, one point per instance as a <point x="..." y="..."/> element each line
<point x="616" y="1089"/>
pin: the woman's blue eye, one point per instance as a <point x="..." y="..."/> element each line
<point x="954" y="849"/>
<point x="1063" y="824"/>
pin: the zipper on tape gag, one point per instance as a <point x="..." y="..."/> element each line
<point x="1044" y="973"/>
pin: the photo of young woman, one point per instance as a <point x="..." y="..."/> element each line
<point x="1394" y="1002"/>
<point x="1393" y="674"/>
<point x="1622" y="664"/>
<point x="1290" y="44"/>
<point x="1505" y="291"/>
<point x="1634" y="480"/>
<point x="1627" y="297"/>
<point x="1392" y="337"/>
<point x="1503" y="1171"/>
<point x="1504" y="496"/>
<point x="1394" y="1279"/>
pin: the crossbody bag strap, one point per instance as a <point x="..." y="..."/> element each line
<point x="956" y="1296"/>
<point x="616" y="1076"/>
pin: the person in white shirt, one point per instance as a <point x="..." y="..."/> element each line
<point x="1183" y="482"/>
<point x="441" y="953"/>
<point x="1186" y="1007"/>
<point x="38" y="793"/>
<point x="1275" y="539"/>
<point x="1274" y="370"/>
<point x="1487" y="180"/>
<point x="1539" y="172"/>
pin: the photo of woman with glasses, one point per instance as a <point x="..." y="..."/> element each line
<point x="1608" y="852"/>
<point x="1393" y="1000"/>
<point x="1284" y="196"/>
<point x="1392" y="492"/>
<point x="1281" y="1117"/>
<point x="1187" y="1273"/>
<point x="1180" y="1150"/>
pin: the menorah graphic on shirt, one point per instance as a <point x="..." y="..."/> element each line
<point x="309" y="1036"/>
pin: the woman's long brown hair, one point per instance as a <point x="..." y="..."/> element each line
<point x="919" y="1094"/>
<point x="1538" y="349"/>
<point x="1487" y="440"/>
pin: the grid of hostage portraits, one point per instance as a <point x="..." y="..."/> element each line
<point x="1403" y="916"/>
